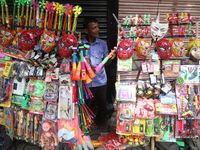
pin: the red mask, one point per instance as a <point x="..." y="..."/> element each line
<point x="28" y="39"/>
<point x="6" y="36"/>
<point x="142" y="48"/>
<point x="47" y="41"/>
<point x="65" y="45"/>
<point x="163" y="49"/>
<point x="125" y="49"/>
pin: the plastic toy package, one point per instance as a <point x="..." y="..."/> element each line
<point x="110" y="141"/>
<point x="166" y="105"/>
<point x="153" y="127"/>
<point x="188" y="101"/>
<point x="125" y="65"/>
<point x="171" y="68"/>
<point x="65" y="105"/>
<point x="186" y="128"/>
<point x="189" y="73"/>
<point x="51" y="112"/>
<point x="166" y="129"/>
<point x="139" y="126"/>
<point x="51" y="92"/>
<point x="145" y="108"/>
<point x="36" y="87"/>
<point x="36" y="105"/>
<point x="126" y="91"/>
<point x="126" y="111"/>
<point x="124" y="127"/>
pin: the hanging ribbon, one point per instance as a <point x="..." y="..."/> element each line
<point x="77" y="11"/>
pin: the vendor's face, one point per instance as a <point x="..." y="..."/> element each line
<point x="92" y="29"/>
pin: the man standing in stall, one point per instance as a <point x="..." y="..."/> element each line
<point x="98" y="51"/>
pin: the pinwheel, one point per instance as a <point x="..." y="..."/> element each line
<point x="67" y="10"/>
<point x="77" y="11"/>
<point x="35" y="5"/>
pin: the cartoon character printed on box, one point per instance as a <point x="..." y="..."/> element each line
<point x="48" y="137"/>
<point x="68" y="131"/>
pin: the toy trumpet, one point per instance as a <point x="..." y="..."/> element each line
<point x="98" y="68"/>
<point x="83" y="70"/>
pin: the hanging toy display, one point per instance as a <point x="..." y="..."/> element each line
<point x="142" y="48"/>
<point x="47" y="41"/>
<point x="177" y="47"/>
<point x="193" y="49"/>
<point x="125" y="49"/>
<point x="6" y="36"/>
<point x="163" y="49"/>
<point x="158" y="30"/>
<point x="65" y="45"/>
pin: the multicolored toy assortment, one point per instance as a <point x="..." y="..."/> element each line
<point x="163" y="100"/>
<point x="44" y="71"/>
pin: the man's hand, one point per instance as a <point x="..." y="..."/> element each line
<point x="112" y="54"/>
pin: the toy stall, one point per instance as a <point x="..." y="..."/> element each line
<point x="157" y="87"/>
<point x="44" y="71"/>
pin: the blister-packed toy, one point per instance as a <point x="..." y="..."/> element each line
<point x="126" y="111"/>
<point x="37" y="105"/>
<point x="186" y="128"/>
<point x="139" y="126"/>
<point x="126" y="91"/>
<point x="145" y="108"/>
<point x="36" y="87"/>
<point x="51" y="92"/>
<point x="187" y="100"/>
<point x="167" y="128"/>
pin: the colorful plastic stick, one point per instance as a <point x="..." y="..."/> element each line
<point x="91" y="73"/>
<point x="7" y="12"/>
<point x="27" y="10"/>
<point x="77" y="11"/>
<point x="22" y="12"/>
<point x="69" y="23"/>
<point x="61" y="11"/>
<point x="14" y="11"/>
<point x="50" y="12"/>
<point x="56" y="6"/>
<point x="67" y="10"/>
<point x="83" y="70"/>
<point x="41" y="6"/>
<point x="34" y="4"/>
<point x="98" y="68"/>
<point x="2" y="12"/>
